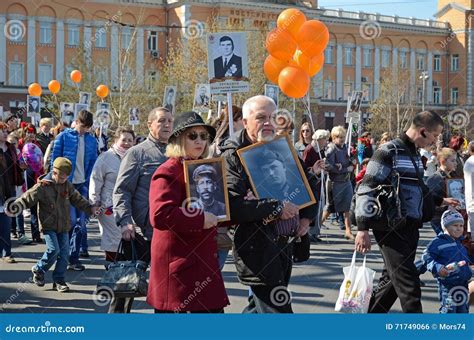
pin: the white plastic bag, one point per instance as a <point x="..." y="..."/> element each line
<point x="356" y="289"/>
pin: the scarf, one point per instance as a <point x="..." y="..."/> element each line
<point x="120" y="151"/>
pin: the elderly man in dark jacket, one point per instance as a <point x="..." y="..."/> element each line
<point x="263" y="258"/>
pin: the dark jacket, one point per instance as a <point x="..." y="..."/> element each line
<point x="220" y="71"/>
<point x="12" y="174"/>
<point x="43" y="140"/>
<point x="437" y="185"/>
<point x="442" y="251"/>
<point x="337" y="155"/>
<point x="257" y="254"/>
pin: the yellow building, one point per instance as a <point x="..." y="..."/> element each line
<point x="38" y="41"/>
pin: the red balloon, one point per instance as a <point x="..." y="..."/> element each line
<point x="294" y="82"/>
<point x="313" y="37"/>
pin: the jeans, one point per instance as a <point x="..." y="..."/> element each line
<point x="268" y="300"/>
<point x="78" y="232"/>
<point x="18" y="225"/>
<point x="30" y="182"/>
<point x="453" y="306"/>
<point x="57" y="251"/>
<point x="5" y="237"/>
<point x="222" y="256"/>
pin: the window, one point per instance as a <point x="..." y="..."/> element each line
<point x="367" y="58"/>
<point x="329" y="55"/>
<point x="101" y="37"/>
<point x="437" y="95"/>
<point x="45" y="74"/>
<point x="454" y="95"/>
<point x="419" y="95"/>
<point x="403" y="60"/>
<point x="73" y="35"/>
<point x="126" y="37"/>
<point x="455" y="62"/>
<point x="46" y="33"/>
<point x="16" y="74"/>
<point x="348" y="56"/>
<point x="153" y="41"/>
<point x="420" y="62"/>
<point x="101" y="74"/>
<point x="347" y="89"/>
<point x="366" y="91"/>
<point x="329" y="120"/>
<point x="437" y="63"/>
<point x="151" y="79"/>
<point x="328" y="89"/>
<point x="385" y="58"/>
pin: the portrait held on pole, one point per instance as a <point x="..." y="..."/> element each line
<point x="85" y="98"/>
<point x="275" y="172"/>
<point x="202" y="98"/>
<point x="272" y="92"/>
<point x="455" y="189"/>
<point x="79" y="107"/>
<point x="33" y="105"/>
<point x="169" y="98"/>
<point x="133" y="116"/>
<point x="206" y="187"/>
<point x="67" y="113"/>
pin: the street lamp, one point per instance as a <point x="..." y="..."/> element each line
<point x="424" y="77"/>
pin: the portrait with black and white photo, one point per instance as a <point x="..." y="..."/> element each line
<point x="67" y="113"/>
<point x="34" y="104"/>
<point x="85" y="98"/>
<point x="169" y="98"/>
<point x="202" y="97"/>
<point x="103" y="106"/>
<point x="273" y="92"/>
<point x="227" y="56"/>
<point x="133" y="116"/>
<point x="455" y="189"/>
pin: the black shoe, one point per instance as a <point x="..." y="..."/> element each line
<point x="14" y="235"/>
<point x="84" y="254"/>
<point x="61" y="286"/>
<point x="78" y="267"/>
<point x="315" y="239"/>
<point x="38" y="240"/>
<point x="38" y="277"/>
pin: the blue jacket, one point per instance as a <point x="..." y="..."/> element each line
<point x="65" y="145"/>
<point x="443" y="250"/>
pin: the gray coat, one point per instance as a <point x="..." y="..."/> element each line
<point x="130" y="197"/>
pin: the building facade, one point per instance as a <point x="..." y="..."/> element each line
<point x="37" y="43"/>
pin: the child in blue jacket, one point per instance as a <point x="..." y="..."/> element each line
<point x="447" y="249"/>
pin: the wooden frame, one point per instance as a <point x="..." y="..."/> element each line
<point x="277" y="142"/>
<point x="449" y="194"/>
<point x="218" y="165"/>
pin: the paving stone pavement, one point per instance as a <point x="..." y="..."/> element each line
<point x="314" y="284"/>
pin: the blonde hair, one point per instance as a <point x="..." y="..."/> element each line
<point x="45" y="121"/>
<point x="338" y="131"/>
<point x="445" y="153"/>
<point x="176" y="149"/>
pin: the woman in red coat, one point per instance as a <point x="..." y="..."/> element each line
<point x="184" y="275"/>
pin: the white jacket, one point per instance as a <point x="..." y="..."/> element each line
<point x="469" y="190"/>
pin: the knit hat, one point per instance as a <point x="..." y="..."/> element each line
<point x="451" y="217"/>
<point x="63" y="164"/>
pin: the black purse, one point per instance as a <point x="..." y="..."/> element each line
<point x="124" y="278"/>
<point x="301" y="247"/>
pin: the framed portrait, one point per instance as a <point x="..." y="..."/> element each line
<point x="103" y="106"/>
<point x="273" y="92"/>
<point x="227" y="62"/>
<point x="133" y="116"/>
<point x="79" y="107"/>
<point x="67" y="113"/>
<point x="455" y="189"/>
<point x="85" y="98"/>
<point x="202" y="98"/>
<point x="169" y="98"/>
<point x="34" y="104"/>
<point x="206" y="187"/>
<point x="275" y="172"/>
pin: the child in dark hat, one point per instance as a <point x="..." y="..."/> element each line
<point x="54" y="194"/>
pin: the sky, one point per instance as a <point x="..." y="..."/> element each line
<point x="421" y="9"/>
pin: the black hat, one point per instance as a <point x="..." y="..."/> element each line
<point x="9" y="117"/>
<point x="189" y="119"/>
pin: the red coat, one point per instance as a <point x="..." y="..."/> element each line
<point x="184" y="274"/>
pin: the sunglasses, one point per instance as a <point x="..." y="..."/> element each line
<point x="204" y="136"/>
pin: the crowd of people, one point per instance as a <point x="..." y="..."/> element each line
<point x="135" y="187"/>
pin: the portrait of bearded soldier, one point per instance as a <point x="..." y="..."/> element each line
<point x="204" y="177"/>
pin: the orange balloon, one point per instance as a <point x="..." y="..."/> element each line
<point x="294" y="82"/>
<point x="291" y="20"/>
<point x="35" y="89"/>
<point x="312" y="38"/>
<point x="76" y="76"/>
<point x="272" y="68"/>
<point x="280" y="44"/>
<point x="310" y="65"/>
<point x="54" y="86"/>
<point x="102" y="91"/>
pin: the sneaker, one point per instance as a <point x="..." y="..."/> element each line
<point x="14" y="234"/>
<point x="84" y="254"/>
<point x="78" y="267"/>
<point x="61" y="286"/>
<point x="38" y="276"/>
<point x="9" y="259"/>
<point x="24" y="240"/>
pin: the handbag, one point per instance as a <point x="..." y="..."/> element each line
<point x="124" y="278"/>
<point x="301" y="247"/>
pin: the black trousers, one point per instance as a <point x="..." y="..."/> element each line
<point x="142" y="246"/>
<point x="400" y="278"/>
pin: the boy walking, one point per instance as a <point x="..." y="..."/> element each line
<point x="55" y="195"/>
<point x="447" y="259"/>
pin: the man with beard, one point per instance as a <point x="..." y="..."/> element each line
<point x="263" y="255"/>
<point x="204" y="177"/>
